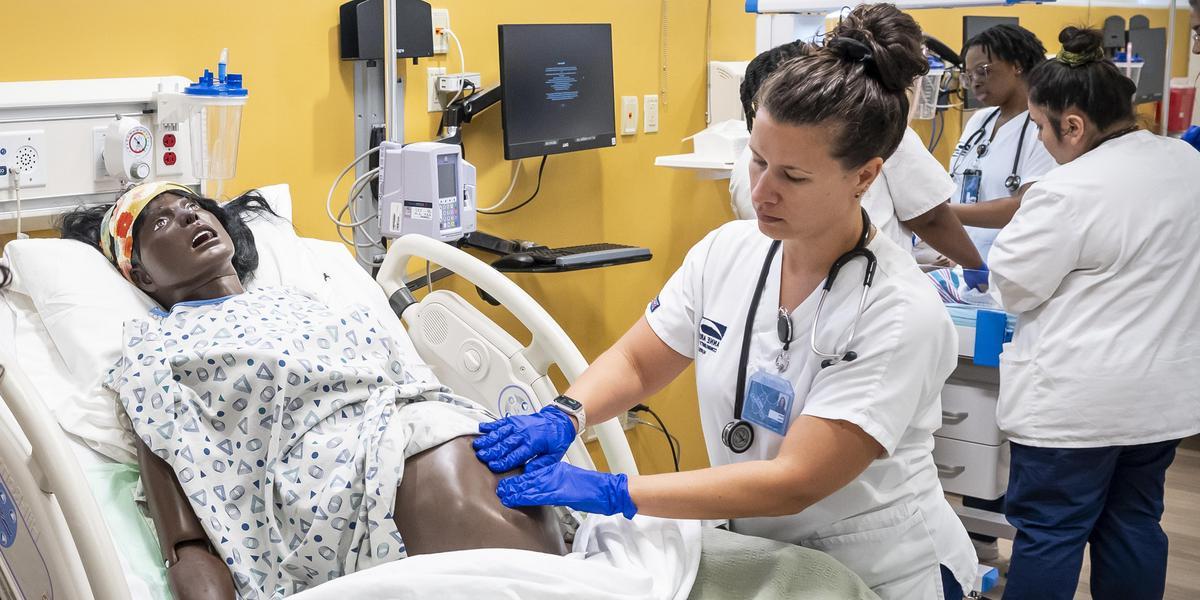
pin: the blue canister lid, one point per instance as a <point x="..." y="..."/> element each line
<point x="1121" y="57"/>
<point x="935" y="62"/>
<point x="208" y="85"/>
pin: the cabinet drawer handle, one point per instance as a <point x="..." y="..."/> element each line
<point x="949" y="418"/>
<point x="950" y="472"/>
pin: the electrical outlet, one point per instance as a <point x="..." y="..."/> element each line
<point x="629" y="115"/>
<point x="441" y="22"/>
<point x="23" y="151"/>
<point x="650" y="113"/>
<point x="431" y="76"/>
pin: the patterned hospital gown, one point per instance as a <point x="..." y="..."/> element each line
<point x="287" y="425"/>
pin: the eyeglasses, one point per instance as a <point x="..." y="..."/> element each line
<point x="979" y="73"/>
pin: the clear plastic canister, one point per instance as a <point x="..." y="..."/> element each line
<point x="928" y="90"/>
<point x="1131" y="67"/>
<point x="215" y="125"/>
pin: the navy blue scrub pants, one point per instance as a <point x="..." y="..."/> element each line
<point x="1060" y="499"/>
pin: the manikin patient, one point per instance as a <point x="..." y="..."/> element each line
<point x="282" y="443"/>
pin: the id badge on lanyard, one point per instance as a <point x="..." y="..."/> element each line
<point x="769" y="400"/>
<point x="971" y="179"/>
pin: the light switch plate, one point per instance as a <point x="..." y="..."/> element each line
<point x="650" y="112"/>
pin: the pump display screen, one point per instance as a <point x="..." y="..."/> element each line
<point x="447" y="175"/>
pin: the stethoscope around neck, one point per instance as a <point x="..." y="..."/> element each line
<point x="738" y="434"/>
<point x="1013" y="182"/>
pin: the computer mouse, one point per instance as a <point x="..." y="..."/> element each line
<point x="514" y="261"/>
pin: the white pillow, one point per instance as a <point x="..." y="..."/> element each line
<point x="84" y="301"/>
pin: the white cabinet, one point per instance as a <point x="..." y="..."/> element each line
<point x="971" y="469"/>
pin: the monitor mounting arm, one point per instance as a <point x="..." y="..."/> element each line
<point x="462" y="111"/>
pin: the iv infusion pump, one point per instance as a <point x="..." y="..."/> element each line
<point x="425" y="188"/>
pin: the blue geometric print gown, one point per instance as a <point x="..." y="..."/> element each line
<point x="287" y="425"/>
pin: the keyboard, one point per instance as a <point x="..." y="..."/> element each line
<point x="585" y="255"/>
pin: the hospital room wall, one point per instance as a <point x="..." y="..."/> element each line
<point x="734" y="40"/>
<point x="1045" y="22"/>
<point x="298" y="128"/>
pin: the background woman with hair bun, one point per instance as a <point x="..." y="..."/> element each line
<point x="824" y="444"/>
<point x="1099" y="383"/>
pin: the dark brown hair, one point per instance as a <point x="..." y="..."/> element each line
<point x="1094" y="86"/>
<point x="857" y="82"/>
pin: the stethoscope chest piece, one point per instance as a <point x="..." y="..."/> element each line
<point x="738" y="436"/>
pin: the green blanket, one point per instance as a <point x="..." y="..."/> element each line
<point x="741" y="566"/>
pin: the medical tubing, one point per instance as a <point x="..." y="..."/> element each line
<point x="740" y="392"/>
<point x="355" y="189"/>
<point x="15" y="173"/>
<point x="541" y="167"/>
<point x="338" y="179"/>
<point x="357" y="186"/>
<point x="351" y="242"/>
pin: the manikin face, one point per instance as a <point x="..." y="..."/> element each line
<point x="180" y="246"/>
<point x="797" y="187"/>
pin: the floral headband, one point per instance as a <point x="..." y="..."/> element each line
<point x="116" y="230"/>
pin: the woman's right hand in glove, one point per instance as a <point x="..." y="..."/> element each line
<point x="511" y="442"/>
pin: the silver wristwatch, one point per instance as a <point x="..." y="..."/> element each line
<point x="574" y="408"/>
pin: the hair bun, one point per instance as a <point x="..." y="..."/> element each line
<point x="887" y="42"/>
<point x="851" y="50"/>
<point x="1081" y="41"/>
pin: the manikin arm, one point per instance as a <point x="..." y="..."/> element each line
<point x="193" y="570"/>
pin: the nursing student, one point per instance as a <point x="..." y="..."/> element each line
<point x="908" y="197"/>
<point x="999" y="154"/>
<point x="1099" y="383"/>
<point x="771" y="309"/>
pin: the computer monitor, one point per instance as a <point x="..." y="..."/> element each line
<point x="556" y="88"/>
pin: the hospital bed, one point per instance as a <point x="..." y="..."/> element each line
<point x="69" y="526"/>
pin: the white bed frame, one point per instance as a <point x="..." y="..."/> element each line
<point x="53" y="539"/>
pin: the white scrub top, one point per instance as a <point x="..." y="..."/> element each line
<point x="1100" y="265"/>
<point x="997" y="163"/>
<point x="911" y="184"/>
<point x="892" y="525"/>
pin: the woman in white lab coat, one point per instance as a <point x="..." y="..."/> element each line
<point x="999" y="153"/>
<point x="1099" y="383"/>
<point x="908" y="197"/>
<point x="829" y="448"/>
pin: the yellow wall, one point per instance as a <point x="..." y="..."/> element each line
<point x="298" y="128"/>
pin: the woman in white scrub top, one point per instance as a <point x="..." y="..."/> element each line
<point x="908" y="196"/>
<point x="999" y="153"/>
<point x="840" y="456"/>
<point x="1099" y="383"/>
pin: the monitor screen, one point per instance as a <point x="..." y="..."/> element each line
<point x="556" y="88"/>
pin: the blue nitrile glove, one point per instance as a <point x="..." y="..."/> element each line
<point x="513" y="441"/>
<point x="549" y="481"/>
<point x="976" y="279"/>
<point x="1192" y="136"/>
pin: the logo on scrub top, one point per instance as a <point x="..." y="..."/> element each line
<point x="654" y="304"/>
<point x="710" y="335"/>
